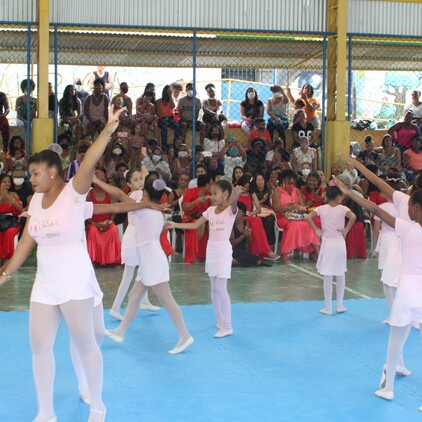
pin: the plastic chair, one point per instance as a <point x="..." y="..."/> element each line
<point x="173" y="231"/>
<point x="371" y="234"/>
<point x="277" y="231"/>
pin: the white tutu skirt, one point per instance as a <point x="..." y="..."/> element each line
<point x="129" y="253"/>
<point x="385" y="242"/>
<point x="332" y="258"/>
<point x="153" y="265"/>
<point x="407" y="305"/>
<point x="219" y="256"/>
<point x="393" y="264"/>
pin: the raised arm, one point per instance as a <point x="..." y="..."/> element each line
<point x="121" y="207"/>
<point x="234" y="198"/>
<point x="83" y="178"/>
<point x="116" y="193"/>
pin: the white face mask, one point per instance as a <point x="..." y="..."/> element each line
<point x="183" y="154"/>
<point x="305" y="172"/>
<point x="117" y="151"/>
<point x="156" y="158"/>
<point x="18" y="181"/>
<point x="277" y="94"/>
<point x="189" y="93"/>
<point x="251" y="95"/>
<point x="78" y="88"/>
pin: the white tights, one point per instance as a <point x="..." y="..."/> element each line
<point x="127" y="277"/>
<point x="389" y="293"/>
<point x="221" y="302"/>
<point x="328" y="290"/>
<point x="163" y="292"/>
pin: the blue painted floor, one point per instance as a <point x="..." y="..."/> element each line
<point x="285" y="362"/>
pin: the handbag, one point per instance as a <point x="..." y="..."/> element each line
<point x="295" y="215"/>
<point x="7" y="221"/>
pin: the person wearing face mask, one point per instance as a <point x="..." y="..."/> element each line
<point x="214" y="143"/>
<point x="212" y="107"/>
<point x="154" y="162"/>
<point x="24" y="116"/>
<point x="185" y="112"/>
<point x="127" y="121"/>
<point x="305" y="171"/>
<point x="303" y="154"/>
<point x="182" y="164"/>
<point x="232" y="155"/>
<point x="21" y="187"/>
<point x="67" y="155"/>
<point x="251" y="108"/>
<point x="80" y="92"/>
<point x="96" y="109"/>
<point x="277" y="110"/>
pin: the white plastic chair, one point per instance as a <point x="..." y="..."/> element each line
<point x="277" y="231"/>
<point x="367" y="222"/>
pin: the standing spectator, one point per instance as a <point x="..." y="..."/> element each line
<point x="403" y="132"/>
<point x="301" y="128"/>
<point x="185" y="112"/>
<point x="277" y="110"/>
<point x="80" y="92"/>
<point x="127" y="121"/>
<point x="212" y="109"/>
<point x="24" y="116"/>
<point x="70" y="111"/>
<point x="4" y="123"/>
<point x="416" y="108"/>
<point x="105" y="76"/>
<point x="96" y="109"/>
<point x="311" y="104"/>
<point x="251" y="108"/>
<point x="52" y="102"/>
<point x="165" y="110"/>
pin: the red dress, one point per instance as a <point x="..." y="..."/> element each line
<point x="7" y="237"/>
<point x="318" y="201"/>
<point x="164" y="240"/>
<point x="194" y="248"/>
<point x="103" y="247"/>
<point x="355" y="241"/>
<point x="297" y="235"/>
<point x="259" y="243"/>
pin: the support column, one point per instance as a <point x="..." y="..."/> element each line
<point x="337" y="128"/>
<point x="43" y="127"/>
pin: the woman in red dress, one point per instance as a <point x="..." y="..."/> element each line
<point x="101" y="232"/>
<point x="12" y="206"/>
<point x="313" y="194"/>
<point x="297" y="233"/>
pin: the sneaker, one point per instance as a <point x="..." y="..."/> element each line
<point x="326" y="311"/>
<point x="149" y="307"/>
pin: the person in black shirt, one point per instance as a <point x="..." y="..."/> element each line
<point x="369" y="155"/>
<point x="250" y="110"/>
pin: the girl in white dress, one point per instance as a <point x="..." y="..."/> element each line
<point x="153" y="270"/>
<point x="407" y="305"/>
<point x="218" y="260"/>
<point x="61" y="288"/>
<point x="332" y="258"/>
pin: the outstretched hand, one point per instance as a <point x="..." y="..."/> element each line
<point x="341" y="185"/>
<point x="113" y="119"/>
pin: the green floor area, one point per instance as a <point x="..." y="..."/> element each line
<point x="190" y="285"/>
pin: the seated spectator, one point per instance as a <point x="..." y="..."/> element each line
<point x="277" y="110"/>
<point x="16" y="142"/>
<point x="195" y="202"/>
<point x="390" y="155"/>
<point x="80" y="92"/>
<point x="127" y="120"/>
<point x="165" y="109"/>
<point x="256" y="156"/>
<point x="70" y="111"/>
<point x="261" y="132"/>
<point x="403" y="132"/>
<point x="303" y="173"/>
<point x="114" y="154"/>
<point x="52" y="102"/>
<point x="67" y="155"/>
<point x="212" y="110"/>
<point x="251" y="108"/>
<point x="24" y="116"/>
<point x="101" y="232"/>
<point x="136" y="143"/>
<point x="232" y="156"/>
<point x="311" y="104"/>
<point x="368" y="155"/>
<point x="106" y="78"/>
<point x="200" y="157"/>
<point x="303" y="154"/>
<point x="18" y="161"/>
<point x="96" y="109"/>
<point x="155" y="162"/>
<point x="147" y="115"/>
<point x="214" y="143"/>
<point x="182" y="164"/>
<point x="259" y="243"/>
<point x="81" y="149"/>
<point x="10" y="208"/>
<point x="200" y="170"/>
<point x="123" y="117"/>
<point x="3" y="162"/>
<point x="301" y="128"/>
<point x="290" y="211"/>
<point x="237" y="173"/>
<point x="185" y="112"/>
<point x="313" y="194"/>
<point x="416" y="108"/>
<point x="412" y="159"/>
<point x="269" y="156"/>
<point x="175" y="95"/>
<point x="22" y="188"/>
<point x="148" y="90"/>
<point x="4" y="122"/>
<point x="281" y="160"/>
<point x="271" y="179"/>
<point x="240" y="239"/>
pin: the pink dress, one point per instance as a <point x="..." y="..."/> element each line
<point x="297" y="235"/>
<point x="218" y="261"/>
<point x="332" y="256"/>
<point x="64" y="269"/>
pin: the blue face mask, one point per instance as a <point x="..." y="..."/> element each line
<point x="232" y="152"/>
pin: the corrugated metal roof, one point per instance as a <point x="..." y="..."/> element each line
<point x="18" y="10"/>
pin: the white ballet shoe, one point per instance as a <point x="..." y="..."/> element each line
<point x="223" y="333"/>
<point x="340" y="309"/>
<point x="113" y="336"/>
<point x="181" y="348"/>
<point x="84" y="397"/>
<point x="149" y="307"/>
<point x="420" y="408"/>
<point x="386" y="395"/>
<point x="403" y="371"/>
<point x="116" y="314"/>
<point x="326" y="311"/>
<point x="97" y="415"/>
<point x="383" y="380"/>
<point x="38" y="419"/>
<point x="385" y="321"/>
<point x="219" y="326"/>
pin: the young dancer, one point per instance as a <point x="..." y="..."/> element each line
<point x="153" y="270"/>
<point x="135" y="181"/>
<point x="218" y="261"/>
<point x="56" y="223"/>
<point x="332" y="258"/>
<point x="407" y="303"/>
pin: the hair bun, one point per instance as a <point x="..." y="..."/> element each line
<point x="158" y="184"/>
